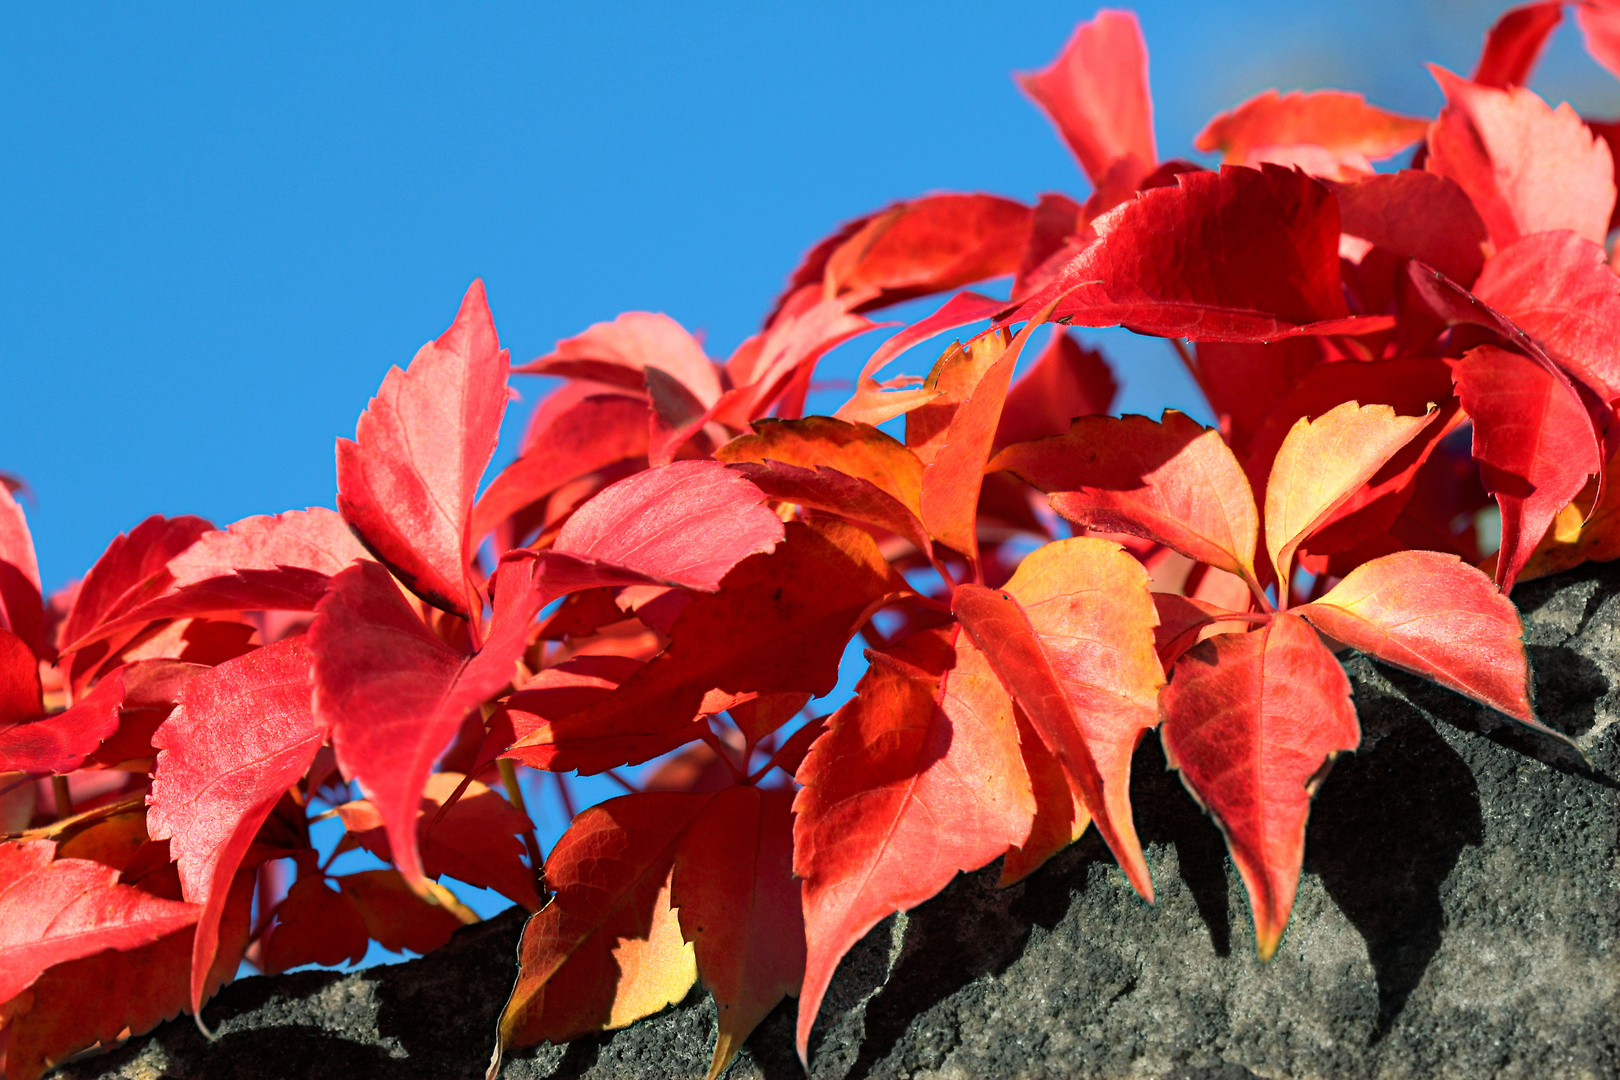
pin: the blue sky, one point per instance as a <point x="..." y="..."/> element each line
<point x="221" y="225"/>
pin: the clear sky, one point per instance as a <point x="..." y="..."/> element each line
<point x="221" y="224"/>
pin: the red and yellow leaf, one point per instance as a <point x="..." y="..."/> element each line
<point x="1071" y="637"/>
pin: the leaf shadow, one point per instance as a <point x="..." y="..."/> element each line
<point x="1166" y="814"/>
<point x="1387" y="828"/>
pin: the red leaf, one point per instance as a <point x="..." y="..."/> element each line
<point x="1533" y="441"/>
<point x="406" y="483"/>
<point x="61" y="742"/>
<point x="475" y="840"/>
<point x="1250" y="720"/>
<point x="22" y="610"/>
<point x="101" y="998"/>
<point x="262" y="563"/>
<point x="769" y="365"/>
<point x="392" y="694"/>
<point x="595" y="433"/>
<point x="608" y="949"/>
<point x="1418" y="214"/>
<point x="1514" y="43"/>
<point x="1096" y="95"/>
<point x="661" y="524"/>
<point x="1528" y="168"/>
<point x="1328" y="132"/>
<point x="778" y="624"/>
<point x="1559" y="289"/>
<point x="916" y="779"/>
<point x="397" y="918"/>
<point x="1071" y="637"/>
<point x="740" y="908"/>
<point x="53" y="912"/>
<point x="19" y="691"/>
<point x="620" y="352"/>
<point x="1061" y="816"/>
<point x="1066" y="381"/>
<point x="314" y="925"/>
<point x="954" y="476"/>
<point x="241" y="734"/>
<point x="1173" y="481"/>
<point x="1435" y="616"/>
<point x="553" y="694"/>
<point x="926" y="245"/>
<point x="1239" y="255"/>
<point x="133" y="570"/>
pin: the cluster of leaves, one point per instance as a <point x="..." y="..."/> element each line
<point x="674" y="566"/>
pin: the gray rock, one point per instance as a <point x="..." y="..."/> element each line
<point x="1458" y="917"/>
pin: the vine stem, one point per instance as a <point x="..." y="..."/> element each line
<point x="64" y="797"/>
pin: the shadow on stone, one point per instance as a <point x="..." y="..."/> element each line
<point x="301" y="1050"/>
<point x="1386" y="830"/>
<point x="1166" y="814"/>
<point x="967" y="931"/>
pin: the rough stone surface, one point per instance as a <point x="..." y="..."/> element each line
<point x="1458" y="917"/>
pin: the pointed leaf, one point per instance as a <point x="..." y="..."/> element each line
<point x="241" y="734"/>
<point x="1436" y="616"/>
<point x="392" y="693"/>
<point x="1096" y="95"/>
<point x="1529" y="168"/>
<point x="1071" y="637"/>
<point x="778" y="624"/>
<point x="1173" y="481"/>
<point x="61" y="742"/>
<point x="1533" y="441"/>
<point x="740" y="908"/>
<point x="101" y="998"/>
<point x="608" y="949"/>
<point x="1320" y="465"/>
<point x="915" y="780"/>
<point x="1250" y="720"/>
<point x="857" y="450"/>
<point x="772" y="369"/>
<point x="407" y="480"/>
<point x="1061" y="816"/>
<point x="1345" y="133"/>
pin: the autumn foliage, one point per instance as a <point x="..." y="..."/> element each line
<point x="676" y="562"/>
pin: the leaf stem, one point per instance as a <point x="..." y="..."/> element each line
<point x="64" y="797"/>
<point x="724" y="754"/>
<point x="621" y="781"/>
<point x="514" y="794"/>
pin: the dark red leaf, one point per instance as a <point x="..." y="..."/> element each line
<point x="1514" y="43"/>
<point x="1066" y="381"/>
<point x="61" y="742"/>
<point x="133" y="570"/>
<point x="314" y="925"/>
<point x="21" y="608"/>
<point x="1418" y="214"/>
<point x="397" y="918"/>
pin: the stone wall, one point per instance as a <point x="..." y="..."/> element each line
<point x="1458" y="917"/>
